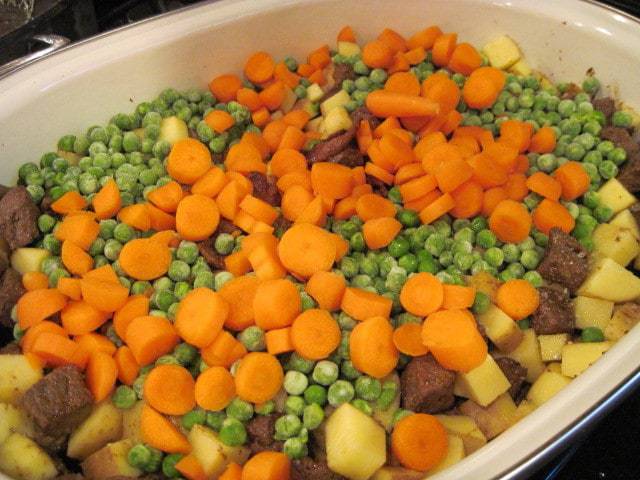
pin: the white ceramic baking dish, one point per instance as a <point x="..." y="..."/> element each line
<point x="87" y="83"/>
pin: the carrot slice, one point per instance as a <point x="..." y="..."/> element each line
<point x="301" y="239"/>
<point x="170" y="389"/>
<point x="145" y="259"/>
<point x="422" y="294"/>
<point x="259" y="377"/>
<point x="200" y="316"/>
<point x="407" y="340"/>
<point x="315" y="334"/>
<point x="510" y="221"/>
<point x="158" y="431"/>
<point x="240" y="293"/>
<point x="371" y="347"/>
<point x="267" y="466"/>
<point x="150" y="337"/>
<point x="102" y="374"/>
<point x="215" y="388"/>
<point x="276" y="304"/>
<point x="35" y="306"/>
<point x="419" y="442"/>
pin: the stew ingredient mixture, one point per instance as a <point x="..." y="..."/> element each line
<point x="364" y="265"/>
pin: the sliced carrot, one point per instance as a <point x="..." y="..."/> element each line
<point x="457" y="296"/>
<point x="57" y="350"/>
<point x="29" y="338"/>
<point x="517" y="298"/>
<point x="79" y="229"/>
<point x="94" y="342"/>
<point x="437" y="208"/>
<point x="492" y="198"/>
<point x="107" y="201"/>
<point x="276" y="304"/>
<point x="549" y="214"/>
<point x="371" y="347"/>
<point x="419" y="442"/>
<point x="331" y="180"/>
<point x="383" y="103"/>
<point x="327" y="289"/>
<point x="167" y="197"/>
<point x="136" y="216"/>
<point x="225" y="87"/>
<point x="69" y="202"/>
<point x="424" y="38"/>
<point x="380" y="232"/>
<point x="543" y="141"/>
<point x="145" y="259"/>
<point x="468" y="200"/>
<point x="104" y="296"/>
<point x="170" y="389"/>
<point x="407" y="340"/>
<point x="259" y="377"/>
<point x="372" y="205"/>
<point x="128" y="368"/>
<point x="219" y="120"/>
<point x="35" y="280"/>
<point x="239" y="293"/>
<point x="158" y="432"/>
<point x="443" y="47"/>
<point x="249" y="98"/>
<point x="301" y="239"/>
<point x="136" y="306"/>
<point x="422" y="294"/>
<point x="200" y="316"/>
<point x="267" y="466"/>
<point x="191" y="468"/>
<point x="37" y="305"/>
<point x="361" y="304"/>
<point x="223" y="351"/>
<point x="464" y="59"/>
<point x="259" y="67"/>
<point x="149" y="338"/>
<point x="76" y="260"/>
<point x="510" y="221"/>
<point x="516" y="186"/>
<point x="379" y="173"/>
<point x="574" y="180"/>
<point x="315" y="334"/>
<point x="188" y="160"/>
<point x="102" y="374"/>
<point x="545" y="185"/>
<point x="237" y="263"/>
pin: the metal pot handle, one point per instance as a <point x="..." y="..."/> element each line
<point x="55" y="42"/>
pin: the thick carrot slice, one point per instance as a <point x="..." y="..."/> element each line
<point x="468" y="199"/>
<point x="145" y="259"/>
<point x="276" y="304"/>
<point x="232" y="472"/>
<point x="107" y="202"/>
<point x="29" y="338"/>
<point x="239" y="293"/>
<point x="452" y="337"/>
<point x="419" y="442"/>
<point x="372" y="205"/>
<point x="188" y="161"/>
<point x="545" y="185"/>
<point x="259" y="377"/>
<point x="437" y="208"/>
<point x="94" y="342"/>
<point x="149" y="338"/>
<point x="35" y="306"/>
<point x="215" y="388"/>
<point x="128" y="368"/>
<point x="81" y="317"/>
<point x="200" y="317"/>
<point x="491" y="198"/>
<point x="517" y="298"/>
<point x="510" y="221"/>
<point x="543" y="141"/>
<point x="102" y="374"/>
<point x="57" y="350"/>
<point x="422" y="294"/>
<point x="443" y="47"/>
<point x="79" y="229"/>
<point x="219" y="120"/>
<point x="69" y="202"/>
<point x="383" y="103"/>
<point x="457" y="296"/>
<point x="223" y="351"/>
<point x="361" y="304"/>
<point x="76" y="260"/>
<point x="136" y="306"/>
<point x="371" y="347"/>
<point x="331" y="180"/>
<point x="380" y="232"/>
<point x="279" y="341"/>
<point x="549" y="214"/>
<point x="287" y="160"/>
<point x="170" y="389"/>
<point x="167" y="197"/>
<point x="104" y="296"/>
<point x="36" y="280"/>
<point x="574" y="180"/>
<point x="326" y="288"/>
<point x="315" y="334"/>
<point x="158" y="431"/>
<point x="267" y="466"/>
<point x="191" y="468"/>
<point x="407" y="340"/>
<point x="301" y="239"/>
<point x="224" y="87"/>
<point x="136" y="216"/>
<point x="465" y="59"/>
<point x="197" y="217"/>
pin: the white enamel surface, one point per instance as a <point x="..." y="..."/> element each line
<point x="85" y="85"/>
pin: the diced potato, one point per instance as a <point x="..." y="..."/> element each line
<point x="131" y="422"/>
<point x="466" y="428"/>
<point x="213" y="455"/>
<point x="483" y="384"/>
<point x="455" y="453"/>
<point x="397" y="473"/>
<point x="528" y="355"/>
<point x="493" y="419"/>
<point x="625" y="219"/>
<point x="348" y="49"/>
<point x="339" y="99"/>
<point x="110" y="461"/>
<point x="521" y="67"/>
<point x="501" y="329"/>
<point x="17" y="375"/>
<point x="617" y="243"/>
<point x="524" y="408"/>
<point x="546" y="386"/>
<point x="102" y="426"/>
<point x="314" y="125"/>
<point x="555" y="367"/>
<point x="592" y="312"/>
<point x="624" y="318"/>
<point x="314" y="92"/>
<point x="336" y="120"/>
<point x="12" y="420"/>
<point x="27" y="259"/>
<point x="173" y="129"/>
<point x="613" y="195"/>
<point x="71" y="157"/>
<point x="502" y="52"/>
<point x="609" y="280"/>
<point x="577" y="357"/>
<point x="22" y="459"/>
<point x="289" y="101"/>
<point x="486" y="283"/>
<point x="385" y="417"/>
<point x="355" y="443"/>
<point x="551" y="346"/>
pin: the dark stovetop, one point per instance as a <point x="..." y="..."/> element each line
<point x="610" y="452"/>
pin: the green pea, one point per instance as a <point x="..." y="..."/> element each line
<point x="295" y="383"/>
<point x="214" y="420"/>
<point x="253" y="338"/>
<point x="239" y="410"/>
<point x="481" y="303"/>
<point x="220" y="279"/>
<point x="602" y="213"/>
<point x="224" y="243"/>
<point x="287" y="426"/>
<point x="185" y="354"/>
<point x="349" y="267"/>
<point x="388" y="395"/>
<point x="295" y="448"/>
<point x="534" y="278"/>
<point x="194" y="417"/>
<point x="408" y="218"/>
<point x="369" y="267"/>
<point x="162" y="299"/>
<point x="124" y="397"/>
<point x="265" y="408"/>
<point x="233" y="432"/>
<point x="169" y="465"/>
<point x="399" y="415"/>
<point x="294" y="405"/>
<point x="356" y="242"/>
<point x="307" y="302"/>
<point x="139" y="456"/>
<point x="300" y="364"/>
<point x="368" y="388"/>
<point x="325" y="372"/>
<point x="494" y="256"/>
<point x="408" y="262"/>
<point x="346" y="322"/>
<point x="340" y="392"/>
<point x="312" y="416"/>
<point x="179" y="271"/>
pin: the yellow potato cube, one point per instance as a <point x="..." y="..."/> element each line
<point x="521" y="67"/>
<point x="314" y="92"/>
<point x="173" y="129"/>
<point x="493" y="419"/>
<point x="609" y="280"/>
<point x="102" y="426"/>
<point x="615" y="196"/>
<point x="455" y="453"/>
<point x="528" y="355"/>
<point x="28" y="259"/>
<point x="551" y="346"/>
<point x="17" y="375"/>
<point x="546" y="386"/>
<point x="624" y="318"/>
<point x="348" y="49"/>
<point x="615" y="242"/>
<point x="484" y="383"/>
<point x="502" y="52"/>
<point x="501" y="329"/>
<point x="577" y="357"/>
<point x="336" y="120"/>
<point x="22" y="459"/>
<point x="524" y="408"/>
<point x="625" y="219"/>
<point x="466" y="428"/>
<point x="592" y="312"/>
<point x="340" y="99"/>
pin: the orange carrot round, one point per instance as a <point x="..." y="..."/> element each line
<point x="517" y="298"/>
<point x="35" y="306"/>
<point x="422" y="294"/>
<point x="259" y="377"/>
<point x="491" y="198"/>
<point x="29" y="338"/>
<point x="315" y="334"/>
<point x="107" y="201"/>
<point x="443" y="48"/>
<point x="219" y="120"/>
<point x="549" y="214"/>
<point x="215" y="388"/>
<point x="516" y="186"/>
<point x="331" y="180"/>
<point x="510" y="221"/>
<point x="158" y="431"/>
<point x="543" y="141"/>
<point x="232" y="472"/>
<point x="287" y="160"/>
<point x="371" y="347"/>
<point x="407" y="339"/>
<point x="197" y="217"/>
<point x="372" y="205"/>
<point x="298" y="241"/>
<point x="104" y="296"/>
<point x="57" y="350"/>
<point x="225" y="87"/>
<point x="545" y="185"/>
<point x="35" y="280"/>
<point x="136" y="306"/>
<point x="468" y="200"/>
<point x="419" y="442"/>
<point x="128" y="368"/>
<point x="102" y="374"/>
<point x="69" y="202"/>
<point x="383" y="103"/>
<point x="380" y="232"/>
<point x="145" y="259"/>
<point x="267" y="466"/>
<point x="188" y="160"/>
<point x="457" y="296"/>
<point x="574" y="180"/>
<point x="276" y="304"/>
<point x="80" y="317"/>
<point x="76" y="260"/>
<point x="465" y="59"/>
<point x="452" y="337"/>
<point x="403" y="82"/>
<point x="240" y="293"/>
<point x="79" y="229"/>
<point x="377" y="54"/>
<point x="167" y="197"/>
<point x="150" y="337"/>
<point x="326" y="288"/>
<point x="200" y="316"/>
<point x="170" y="389"/>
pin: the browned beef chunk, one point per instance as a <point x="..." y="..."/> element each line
<point x="350" y="157"/>
<point x="211" y="256"/>
<point x="260" y="430"/>
<point x="10" y="349"/>
<point x="11" y="290"/>
<point x="58" y="402"/>
<point x="515" y="373"/>
<point x="309" y="469"/>
<point x="378" y="186"/>
<point x="341" y="72"/>
<point x="571" y="92"/>
<point x="635" y="211"/>
<point x="331" y="147"/>
<point x="45" y="204"/>
<point x="264" y="188"/>
<point x="425" y="386"/>
<point x="18" y="218"/>
<point x="565" y="261"/>
<point x="630" y="174"/>
<point x="5" y="255"/>
<point x="363" y="113"/>
<point x="225" y="226"/>
<point x="555" y="312"/>
<point x="606" y="105"/>
<point x="622" y="138"/>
